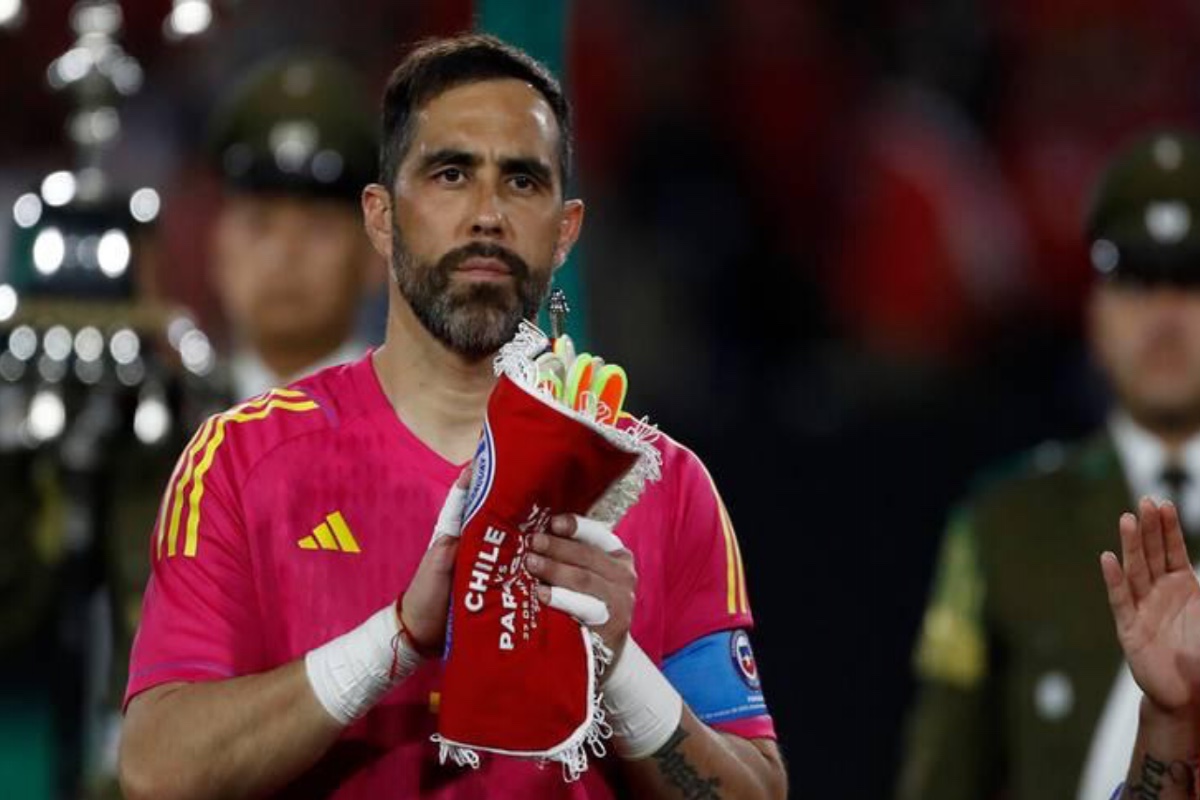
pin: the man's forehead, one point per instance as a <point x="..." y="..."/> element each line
<point x="280" y="202"/>
<point x="493" y="110"/>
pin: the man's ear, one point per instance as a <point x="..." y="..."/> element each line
<point x="219" y="269"/>
<point x="569" y="228"/>
<point x="1094" y="327"/>
<point x="377" y="219"/>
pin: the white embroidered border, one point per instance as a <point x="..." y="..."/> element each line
<point x="516" y="360"/>
<point x="571" y="754"/>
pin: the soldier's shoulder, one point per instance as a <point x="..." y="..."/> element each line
<point x="1043" y="473"/>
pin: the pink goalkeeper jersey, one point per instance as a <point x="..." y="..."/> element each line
<point x="293" y="517"/>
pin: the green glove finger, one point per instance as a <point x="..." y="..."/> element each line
<point x="551" y="374"/>
<point x="579" y="381"/>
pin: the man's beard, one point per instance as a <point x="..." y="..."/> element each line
<point x="473" y="320"/>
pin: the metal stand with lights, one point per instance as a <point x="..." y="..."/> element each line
<point x="89" y="365"/>
<point x="12" y="13"/>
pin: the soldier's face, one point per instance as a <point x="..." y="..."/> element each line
<point x="1148" y="342"/>
<point x="479" y="223"/>
<point x="290" y="271"/>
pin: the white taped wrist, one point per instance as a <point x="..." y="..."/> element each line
<point x="351" y="673"/>
<point x="643" y="708"/>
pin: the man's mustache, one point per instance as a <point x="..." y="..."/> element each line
<point x="455" y="258"/>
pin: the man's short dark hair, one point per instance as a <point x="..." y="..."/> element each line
<point x="437" y="65"/>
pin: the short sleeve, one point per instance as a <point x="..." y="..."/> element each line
<point x="199" y="610"/>
<point x="707" y="594"/>
<point x="706" y="587"/>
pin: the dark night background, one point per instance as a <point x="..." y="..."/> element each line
<point x="837" y="247"/>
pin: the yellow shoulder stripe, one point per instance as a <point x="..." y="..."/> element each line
<point x="210" y="438"/>
<point x="736" y="599"/>
<point x="186" y="462"/>
<point x="189" y="548"/>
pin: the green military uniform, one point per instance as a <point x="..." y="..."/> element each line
<point x="1017" y="655"/>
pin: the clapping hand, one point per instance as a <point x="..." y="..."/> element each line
<point x="1155" y="600"/>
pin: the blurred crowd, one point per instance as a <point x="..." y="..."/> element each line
<point x="839" y="248"/>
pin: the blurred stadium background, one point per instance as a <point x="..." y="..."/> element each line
<point x="836" y="245"/>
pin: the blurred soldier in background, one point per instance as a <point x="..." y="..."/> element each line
<point x="294" y="144"/>
<point x="1017" y="664"/>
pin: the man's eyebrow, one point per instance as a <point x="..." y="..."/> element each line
<point x="535" y="167"/>
<point x="448" y="157"/>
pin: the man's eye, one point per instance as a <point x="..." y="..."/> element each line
<point x="450" y="175"/>
<point x="523" y="182"/>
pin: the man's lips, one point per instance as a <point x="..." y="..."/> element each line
<point x="484" y="269"/>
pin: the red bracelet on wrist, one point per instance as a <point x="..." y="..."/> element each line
<point x="423" y="650"/>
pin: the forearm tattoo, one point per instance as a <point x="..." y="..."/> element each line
<point x="1158" y="775"/>
<point x="679" y="772"/>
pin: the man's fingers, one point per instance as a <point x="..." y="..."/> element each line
<point x="568" y="546"/>
<point x="1119" y="598"/>
<point x="1150" y="522"/>
<point x="1177" y="555"/>
<point x="555" y="572"/>
<point x="1133" y="557"/>
<point x="581" y="561"/>
<point x="428" y="594"/>
<point x="436" y="567"/>
<point x="596" y="533"/>
<point x="442" y="551"/>
<point x="583" y="607"/>
<point x="449" y="521"/>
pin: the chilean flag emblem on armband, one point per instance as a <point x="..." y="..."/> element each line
<point x="743" y="657"/>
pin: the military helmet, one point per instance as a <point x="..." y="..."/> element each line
<point x="1144" y="222"/>
<point x="297" y="124"/>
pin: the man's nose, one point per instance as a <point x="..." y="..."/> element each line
<point x="488" y="218"/>
<point x="282" y="241"/>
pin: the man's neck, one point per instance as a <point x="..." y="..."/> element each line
<point x="440" y="396"/>
<point x="1174" y="440"/>
<point x="1174" y="437"/>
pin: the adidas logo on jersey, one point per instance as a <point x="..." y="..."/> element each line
<point x="332" y="534"/>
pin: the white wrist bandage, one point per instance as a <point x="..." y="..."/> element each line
<point x="351" y="673"/>
<point x="643" y="707"/>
